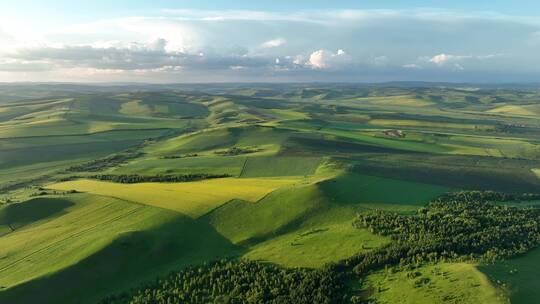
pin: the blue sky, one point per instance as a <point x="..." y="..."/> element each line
<point x="229" y="41"/>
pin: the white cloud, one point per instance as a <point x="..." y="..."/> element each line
<point x="299" y="60"/>
<point x="411" y="66"/>
<point x="444" y="58"/>
<point x="454" y="60"/>
<point x="274" y="43"/>
<point x="324" y="59"/>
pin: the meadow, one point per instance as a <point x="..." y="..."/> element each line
<point x="297" y="164"/>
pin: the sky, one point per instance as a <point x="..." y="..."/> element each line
<point x="165" y="41"/>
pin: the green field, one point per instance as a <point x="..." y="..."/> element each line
<point x="365" y="189"/>
<point x="280" y="166"/>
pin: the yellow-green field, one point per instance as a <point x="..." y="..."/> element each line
<point x="135" y="108"/>
<point x="426" y="124"/>
<point x="514" y="110"/>
<point x="444" y="283"/>
<point x="407" y="101"/>
<point x="536" y="172"/>
<point x="191" y="198"/>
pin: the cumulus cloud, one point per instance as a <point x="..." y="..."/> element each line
<point x="324" y="59"/>
<point x="274" y="43"/>
<point x="444" y="58"/>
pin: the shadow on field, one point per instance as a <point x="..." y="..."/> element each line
<point x="18" y="215"/>
<point x="130" y="260"/>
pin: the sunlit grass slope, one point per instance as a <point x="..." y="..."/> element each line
<point x="79" y="248"/>
<point x="59" y="232"/>
<point x="536" y="172"/>
<point x="310" y="225"/>
<point x="433" y="284"/>
<point x="190" y="198"/>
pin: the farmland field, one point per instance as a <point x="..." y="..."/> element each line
<point x="190" y="198"/>
<point x="105" y="190"/>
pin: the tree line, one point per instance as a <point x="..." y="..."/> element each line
<point x="105" y="162"/>
<point x="239" y="282"/>
<point x="135" y="178"/>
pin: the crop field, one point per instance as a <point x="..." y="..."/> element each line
<point x="526" y="110"/>
<point x="200" y="164"/>
<point x="107" y="189"/>
<point x="280" y="166"/>
<point x="189" y="198"/>
<point x="365" y="189"/>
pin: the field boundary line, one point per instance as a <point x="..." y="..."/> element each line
<point x="243" y="167"/>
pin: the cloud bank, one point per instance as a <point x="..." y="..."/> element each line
<point x="340" y="45"/>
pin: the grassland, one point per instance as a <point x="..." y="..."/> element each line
<point x="315" y="244"/>
<point x="438" y="283"/>
<point x="518" y="276"/>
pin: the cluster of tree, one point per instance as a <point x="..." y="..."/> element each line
<point x="461" y="225"/>
<point x="135" y="178"/>
<point x="106" y="162"/>
<point x="488" y="196"/>
<point x="241" y="281"/>
<point x="237" y="151"/>
<point x="180" y="156"/>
